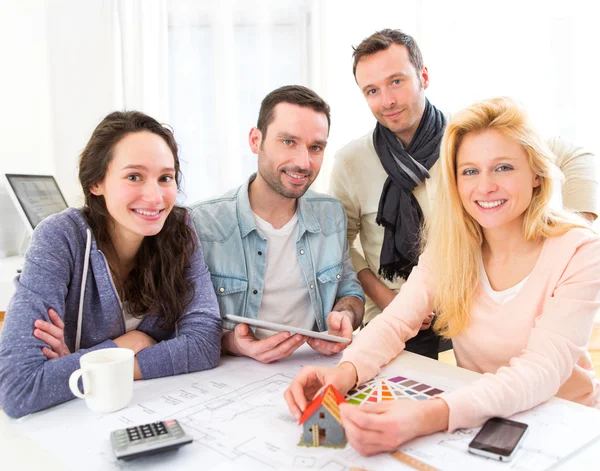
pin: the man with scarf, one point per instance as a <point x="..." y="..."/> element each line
<point x="384" y="178"/>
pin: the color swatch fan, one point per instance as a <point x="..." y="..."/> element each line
<point x="390" y="389"/>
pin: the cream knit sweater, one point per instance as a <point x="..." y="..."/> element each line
<point x="357" y="179"/>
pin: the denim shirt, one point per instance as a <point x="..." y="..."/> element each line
<point x="235" y="252"/>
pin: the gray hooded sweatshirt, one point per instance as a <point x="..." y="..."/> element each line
<point x="51" y="278"/>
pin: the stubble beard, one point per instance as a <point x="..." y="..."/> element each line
<point x="273" y="180"/>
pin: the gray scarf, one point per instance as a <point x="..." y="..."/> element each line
<point x="399" y="212"/>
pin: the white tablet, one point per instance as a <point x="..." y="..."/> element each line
<point x="285" y="328"/>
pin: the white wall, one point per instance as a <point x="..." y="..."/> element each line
<point x="26" y="119"/>
<point x="59" y="83"/>
<point x="346" y="24"/>
<point x="64" y="74"/>
<point x="25" y="122"/>
<point x="81" y="48"/>
<point x="543" y="53"/>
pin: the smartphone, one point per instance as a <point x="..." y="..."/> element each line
<point x="498" y="439"/>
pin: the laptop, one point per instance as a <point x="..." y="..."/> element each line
<point x="35" y="196"/>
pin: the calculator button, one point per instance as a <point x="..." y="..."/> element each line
<point x="160" y="429"/>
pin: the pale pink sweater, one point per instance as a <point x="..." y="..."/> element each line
<point x="529" y="349"/>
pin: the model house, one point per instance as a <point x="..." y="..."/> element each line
<point x="321" y="420"/>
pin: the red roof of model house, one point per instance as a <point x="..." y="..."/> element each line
<point x="331" y="398"/>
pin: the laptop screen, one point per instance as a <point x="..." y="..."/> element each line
<point x="38" y="195"/>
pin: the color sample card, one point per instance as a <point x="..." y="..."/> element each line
<point x="391" y="389"/>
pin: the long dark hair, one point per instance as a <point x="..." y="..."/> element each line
<point x="157" y="282"/>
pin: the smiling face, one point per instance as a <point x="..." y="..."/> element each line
<point x="394" y="90"/>
<point x="139" y="188"/>
<point x="291" y="153"/>
<point x="494" y="178"/>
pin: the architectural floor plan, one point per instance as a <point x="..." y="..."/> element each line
<point x="238" y="419"/>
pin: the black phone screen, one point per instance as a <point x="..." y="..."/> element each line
<point x="499" y="436"/>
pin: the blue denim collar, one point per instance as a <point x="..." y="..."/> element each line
<point x="306" y="217"/>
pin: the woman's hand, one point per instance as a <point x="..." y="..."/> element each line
<point x="135" y="340"/>
<point x="312" y="379"/>
<point x="383" y="427"/>
<point x="53" y="333"/>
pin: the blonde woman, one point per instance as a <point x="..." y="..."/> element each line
<point x="515" y="283"/>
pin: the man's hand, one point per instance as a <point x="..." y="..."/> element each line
<point x="589" y="217"/>
<point x="427" y="322"/>
<point x="374" y="288"/>
<point x="340" y="325"/>
<point x="242" y="341"/>
<point x="53" y="333"/>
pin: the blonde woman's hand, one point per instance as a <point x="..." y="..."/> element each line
<point x="312" y="379"/>
<point x="383" y="427"/>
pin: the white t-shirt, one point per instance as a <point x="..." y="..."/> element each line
<point x="500" y="297"/>
<point x="131" y="323"/>
<point x="285" y="297"/>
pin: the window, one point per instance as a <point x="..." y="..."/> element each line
<point x="223" y="59"/>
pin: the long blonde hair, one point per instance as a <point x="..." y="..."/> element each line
<point x="453" y="238"/>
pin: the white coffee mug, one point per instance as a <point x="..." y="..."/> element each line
<point x="107" y="376"/>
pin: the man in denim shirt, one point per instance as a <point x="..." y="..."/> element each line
<point x="277" y="251"/>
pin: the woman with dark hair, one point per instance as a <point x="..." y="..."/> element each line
<point x="126" y="270"/>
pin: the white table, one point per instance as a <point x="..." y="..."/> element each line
<point x="8" y="271"/>
<point x="18" y="450"/>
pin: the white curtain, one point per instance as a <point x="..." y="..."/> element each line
<point x="141" y="56"/>
<point x="224" y="57"/>
<point x="542" y="53"/>
<point x="204" y="66"/>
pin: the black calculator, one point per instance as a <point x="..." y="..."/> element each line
<point x="148" y="439"/>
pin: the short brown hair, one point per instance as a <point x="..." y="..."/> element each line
<point x="383" y="39"/>
<point x="295" y="95"/>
